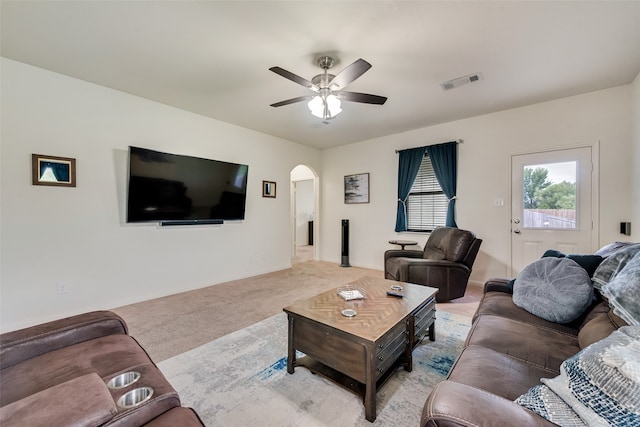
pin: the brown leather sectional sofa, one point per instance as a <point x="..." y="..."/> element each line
<point x="59" y="373"/>
<point x="506" y="353"/>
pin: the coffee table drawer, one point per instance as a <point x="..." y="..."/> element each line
<point x="396" y="349"/>
<point x="424" y="317"/>
<point x="387" y="344"/>
<point x="338" y="352"/>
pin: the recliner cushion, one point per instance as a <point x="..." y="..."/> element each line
<point x="448" y="243"/>
<point x="81" y="401"/>
<point x="103" y="356"/>
<point x="556" y="289"/>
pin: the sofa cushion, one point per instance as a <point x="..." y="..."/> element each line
<point x="537" y="345"/>
<point x="82" y="401"/>
<point x="623" y="292"/>
<point x="599" y="327"/>
<point x="608" y="269"/>
<point x="501" y="304"/>
<point x="598" y="386"/>
<point x="496" y="372"/>
<point x="556" y="289"/>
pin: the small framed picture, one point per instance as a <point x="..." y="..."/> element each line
<point x="53" y="170"/>
<point x="269" y="189"/>
<point x="356" y="188"/>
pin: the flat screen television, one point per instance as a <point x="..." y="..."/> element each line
<point x="172" y="188"/>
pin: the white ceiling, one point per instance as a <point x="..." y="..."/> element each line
<point x="212" y="57"/>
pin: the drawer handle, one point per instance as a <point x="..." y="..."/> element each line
<point x="381" y="346"/>
<point x="380" y="358"/>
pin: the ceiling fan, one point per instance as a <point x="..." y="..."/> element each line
<point x="328" y="88"/>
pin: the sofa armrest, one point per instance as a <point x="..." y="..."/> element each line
<point x="453" y="404"/>
<point x="499" y="284"/>
<point x="402" y="253"/>
<point x="179" y="416"/>
<point x="24" y="344"/>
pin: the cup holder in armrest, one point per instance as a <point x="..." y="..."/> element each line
<point x="135" y="397"/>
<point x="123" y="380"/>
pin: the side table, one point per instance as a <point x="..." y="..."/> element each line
<point x="403" y="243"/>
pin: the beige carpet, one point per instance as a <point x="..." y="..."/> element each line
<point x="178" y="323"/>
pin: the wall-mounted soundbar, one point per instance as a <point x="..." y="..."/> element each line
<point x="192" y="222"/>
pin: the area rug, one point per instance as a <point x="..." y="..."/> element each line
<point x="241" y="379"/>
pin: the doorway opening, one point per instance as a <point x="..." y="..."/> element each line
<point x="304" y="208"/>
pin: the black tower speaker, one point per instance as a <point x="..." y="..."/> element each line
<point x="345" y="243"/>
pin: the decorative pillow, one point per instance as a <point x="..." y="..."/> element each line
<point x="613" y="264"/>
<point x="600" y="386"/>
<point x="623" y="292"/>
<point x="555" y="289"/>
<point x="589" y="262"/>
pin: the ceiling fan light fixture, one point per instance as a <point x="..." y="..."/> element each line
<point x="326" y="108"/>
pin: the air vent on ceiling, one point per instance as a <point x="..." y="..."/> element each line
<point x="452" y="84"/>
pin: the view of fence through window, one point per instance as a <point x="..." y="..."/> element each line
<point x="549" y="195"/>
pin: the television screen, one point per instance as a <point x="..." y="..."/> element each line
<point x="167" y="187"/>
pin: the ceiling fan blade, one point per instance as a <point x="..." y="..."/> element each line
<point x="292" y="101"/>
<point x="349" y="74"/>
<point x="294" y="77"/>
<point x="366" y="98"/>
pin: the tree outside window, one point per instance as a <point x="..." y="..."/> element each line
<point x="550" y="202"/>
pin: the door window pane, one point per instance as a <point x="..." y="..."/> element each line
<point x="549" y="196"/>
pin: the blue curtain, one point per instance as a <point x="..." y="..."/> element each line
<point x="444" y="159"/>
<point x="409" y="164"/>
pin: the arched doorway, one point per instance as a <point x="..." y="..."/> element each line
<point x="304" y="214"/>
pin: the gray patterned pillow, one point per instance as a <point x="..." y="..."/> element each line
<point x="600" y="386"/>
<point x="608" y="268"/>
<point x="623" y="292"/>
<point x="555" y="289"/>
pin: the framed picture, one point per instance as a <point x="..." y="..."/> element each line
<point x="269" y="189"/>
<point x="53" y="170"/>
<point x="356" y="188"/>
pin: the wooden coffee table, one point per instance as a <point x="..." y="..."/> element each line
<point x="360" y="352"/>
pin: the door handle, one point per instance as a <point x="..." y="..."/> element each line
<point x="516" y="221"/>
<point x="517" y="231"/>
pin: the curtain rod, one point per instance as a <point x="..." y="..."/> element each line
<point x="457" y="141"/>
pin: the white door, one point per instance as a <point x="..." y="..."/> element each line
<point x="551" y="204"/>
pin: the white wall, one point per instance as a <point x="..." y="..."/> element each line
<point x="635" y="120"/>
<point x="78" y="236"/>
<point x="483" y="163"/>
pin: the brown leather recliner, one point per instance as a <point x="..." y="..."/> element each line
<point x="445" y="263"/>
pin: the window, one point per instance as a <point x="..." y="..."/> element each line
<point x="426" y="204"/>
<point x="549" y="195"/>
